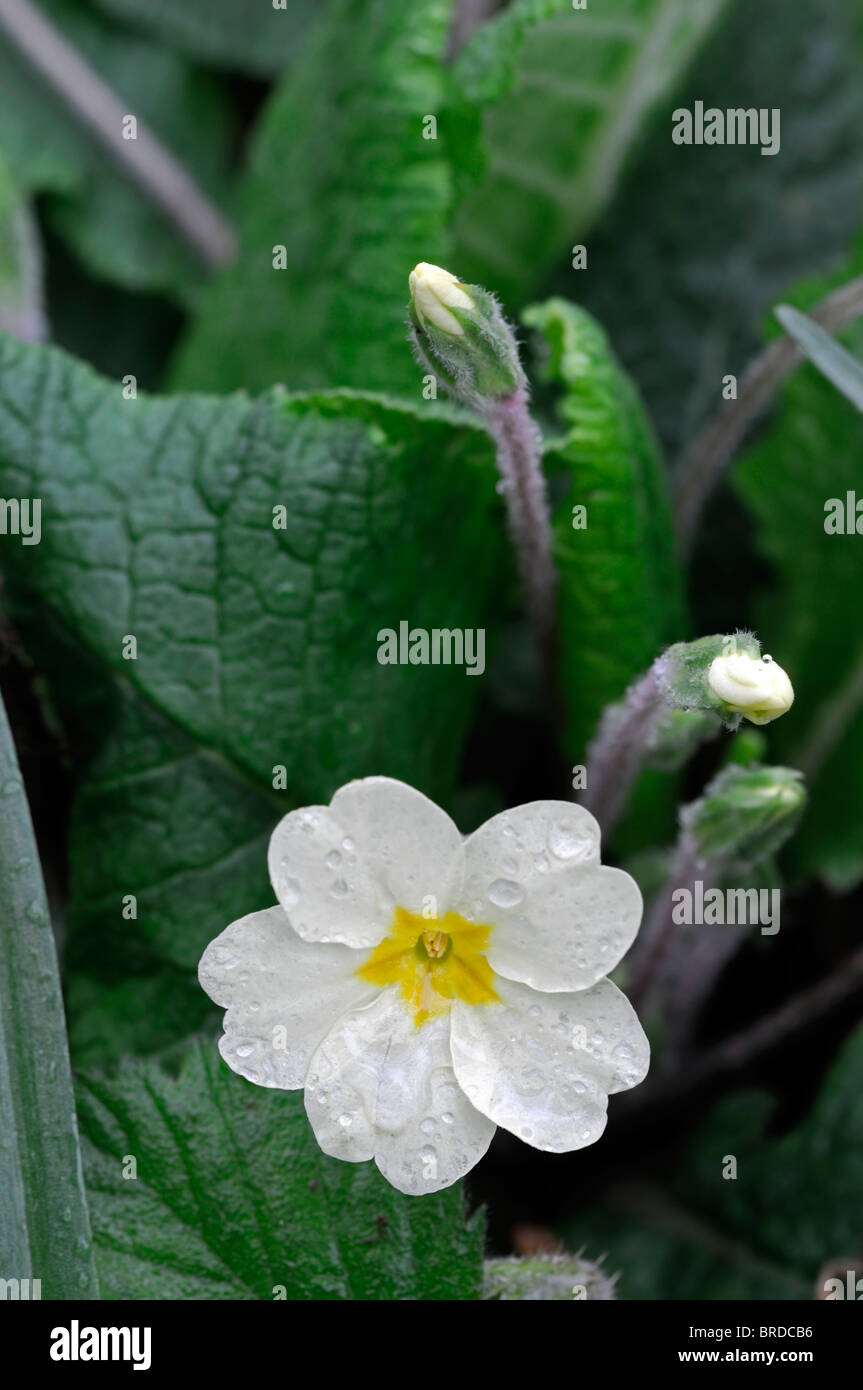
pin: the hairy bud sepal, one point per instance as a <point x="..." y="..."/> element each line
<point x="460" y="335"/>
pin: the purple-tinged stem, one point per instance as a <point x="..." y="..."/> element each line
<point x="616" y="755"/>
<point x="519" y="459"/>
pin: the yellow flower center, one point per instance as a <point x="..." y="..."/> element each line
<point x="433" y="966"/>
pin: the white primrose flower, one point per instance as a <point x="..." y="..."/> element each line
<point x="423" y="988"/>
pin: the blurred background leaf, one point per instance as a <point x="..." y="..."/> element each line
<point x="111" y="226"/>
<point x="21" y="288"/>
<point x="701" y="241"/>
<point x="341" y="177"/>
<point x="568" y="95"/>
<point x="793" y="1206"/>
<point x="810" y="454"/>
<point x="257" y="39"/>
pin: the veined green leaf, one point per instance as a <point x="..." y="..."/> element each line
<point x="253" y="550"/>
<point x="232" y="1199"/>
<point x="44" y="1222"/>
<point x="620" y="593"/>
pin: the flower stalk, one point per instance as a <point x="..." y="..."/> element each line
<point x="728" y="835"/>
<point x="460" y="335"/>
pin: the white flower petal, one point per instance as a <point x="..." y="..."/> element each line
<point x="282" y="995"/>
<point x="543" y="1065"/>
<point x="378" y="1087"/>
<point x="561" y="919"/>
<point x="339" y="871"/>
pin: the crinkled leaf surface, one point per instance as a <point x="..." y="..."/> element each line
<point x="233" y="1199"/>
<point x="620" y="591"/>
<point x="256" y="647"/>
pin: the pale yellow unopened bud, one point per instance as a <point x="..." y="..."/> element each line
<point x="434" y="292"/>
<point x="756" y="687"/>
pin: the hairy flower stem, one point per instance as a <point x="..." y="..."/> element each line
<point x="677" y="965"/>
<point x="616" y="755"/>
<point x="646" y="958"/>
<point x="519" y="459"/>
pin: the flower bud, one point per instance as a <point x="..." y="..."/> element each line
<point x="547" y="1278"/>
<point x="756" y="687"/>
<point x="461" y="336"/>
<point x="434" y="292"/>
<point x="745" y="814"/>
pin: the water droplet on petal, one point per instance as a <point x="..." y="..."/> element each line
<point x="566" y="844"/>
<point x="290" y="892"/>
<point x="504" y="893"/>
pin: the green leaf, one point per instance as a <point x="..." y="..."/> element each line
<point x="830" y="357"/>
<point x="256" y="647"/>
<point x="810" y="455"/>
<point x="620" y="591"/>
<point x="138" y="1014"/>
<point x="567" y="93"/>
<point x="342" y="179"/>
<point x="258" y="39"/>
<point x="20" y="264"/>
<point x="113" y="228"/>
<point x="233" y="1199"/>
<point x="44" y="1223"/>
<point x="764" y="1234"/>
<point x="681" y="292"/>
